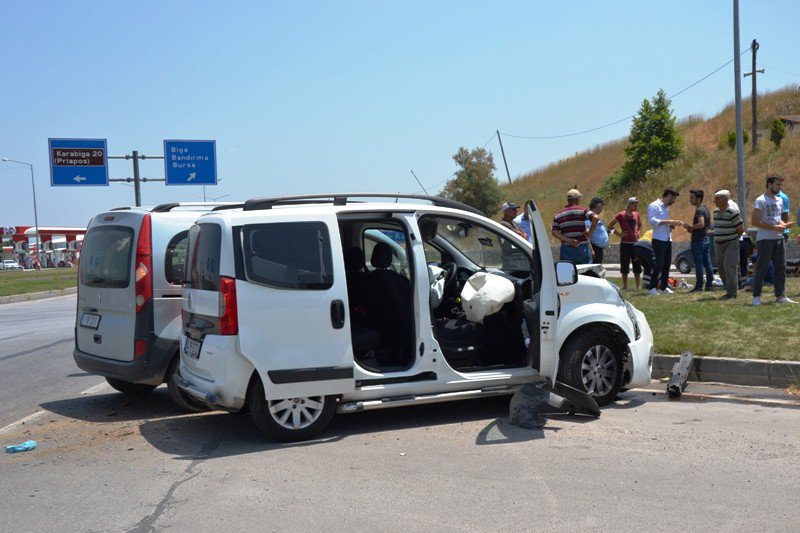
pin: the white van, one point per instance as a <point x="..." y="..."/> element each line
<point x="129" y="296"/>
<point x="296" y="307"/>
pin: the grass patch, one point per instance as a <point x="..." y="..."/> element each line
<point x="705" y="325"/>
<point x="50" y="279"/>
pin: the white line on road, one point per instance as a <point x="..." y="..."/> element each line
<point x="30" y="418"/>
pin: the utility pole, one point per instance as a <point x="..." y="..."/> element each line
<point x="504" y="155"/>
<point x="754" y="49"/>
<point x="737" y="75"/>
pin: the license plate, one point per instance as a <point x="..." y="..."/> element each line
<point x="192" y="348"/>
<point x="88" y="320"/>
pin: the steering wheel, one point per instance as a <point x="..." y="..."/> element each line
<point x="449" y="274"/>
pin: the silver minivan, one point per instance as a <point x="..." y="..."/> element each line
<point x="128" y="318"/>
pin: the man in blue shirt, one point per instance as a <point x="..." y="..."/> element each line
<point x="523" y="221"/>
<point x="599" y="237"/>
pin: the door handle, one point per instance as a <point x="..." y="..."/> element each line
<point x="337" y="314"/>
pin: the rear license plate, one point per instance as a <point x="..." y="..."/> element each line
<point x="88" y="320"/>
<point x="192" y="348"/>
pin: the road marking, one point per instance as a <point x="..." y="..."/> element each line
<point x="30" y="418"/>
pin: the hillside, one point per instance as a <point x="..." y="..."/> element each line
<point x="706" y="163"/>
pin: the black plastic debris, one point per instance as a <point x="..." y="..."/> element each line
<point x="680" y="375"/>
<point x="533" y="401"/>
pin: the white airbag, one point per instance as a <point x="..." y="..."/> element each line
<point x="484" y="294"/>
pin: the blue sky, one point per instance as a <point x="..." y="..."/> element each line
<point x="335" y="96"/>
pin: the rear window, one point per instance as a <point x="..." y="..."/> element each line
<point x="203" y="266"/>
<point x="175" y="258"/>
<point x="292" y="255"/>
<point x="106" y="257"/>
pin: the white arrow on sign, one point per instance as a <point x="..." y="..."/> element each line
<point x="79" y="178"/>
<point x="192" y="176"/>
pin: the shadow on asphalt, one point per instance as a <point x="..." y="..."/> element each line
<point x="172" y="431"/>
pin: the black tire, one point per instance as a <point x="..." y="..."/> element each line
<point x="127" y="387"/>
<point x="592" y="362"/>
<point x="310" y="422"/>
<point x="683" y="266"/>
<point x="183" y="399"/>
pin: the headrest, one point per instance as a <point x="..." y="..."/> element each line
<point x="381" y="255"/>
<point x="354" y="259"/>
<point x="428" y="229"/>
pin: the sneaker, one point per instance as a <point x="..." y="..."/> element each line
<point x="709" y="288"/>
<point x="729" y="297"/>
<point x="784" y="300"/>
<point x="756" y="300"/>
<point x="697" y="289"/>
<point x="652" y="292"/>
<point x="667" y="291"/>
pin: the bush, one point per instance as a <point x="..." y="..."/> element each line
<point x="777" y="132"/>
<point x="732" y="138"/>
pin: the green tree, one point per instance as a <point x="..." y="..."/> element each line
<point x="777" y="132"/>
<point x="654" y="139"/>
<point x="474" y="183"/>
<point x="732" y="138"/>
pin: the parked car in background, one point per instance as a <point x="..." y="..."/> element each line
<point x="129" y="296"/>
<point x="684" y="261"/>
<point x="11" y="264"/>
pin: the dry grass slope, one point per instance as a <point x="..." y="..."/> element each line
<point x="707" y="163"/>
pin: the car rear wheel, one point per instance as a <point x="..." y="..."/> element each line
<point x="683" y="266"/>
<point x="592" y="362"/>
<point x="130" y="388"/>
<point x="183" y="399"/>
<point x="290" y="419"/>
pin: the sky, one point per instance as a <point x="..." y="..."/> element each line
<point x="306" y="97"/>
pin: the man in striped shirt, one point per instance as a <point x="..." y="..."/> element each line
<point x="728" y="227"/>
<point x="569" y="227"/>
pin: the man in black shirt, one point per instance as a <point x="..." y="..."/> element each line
<point x="701" y="245"/>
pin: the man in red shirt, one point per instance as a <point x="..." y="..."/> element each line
<point x="631" y="227"/>
<point x="569" y="227"/>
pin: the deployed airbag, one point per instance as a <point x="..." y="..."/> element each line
<point x="484" y="294"/>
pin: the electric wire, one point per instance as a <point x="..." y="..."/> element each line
<point x="779" y="70"/>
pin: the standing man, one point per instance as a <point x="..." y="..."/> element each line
<point x="631" y="226"/>
<point x="767" y="217"/>
<point x="509" y="214"/>
<point x="599" y="237"/>
<point x="701" y="245"/>
<point x="658" y="216"/>
<point x="728" y="226"/>
<point x="524" y="222"/>
<point x="569" y="227"/>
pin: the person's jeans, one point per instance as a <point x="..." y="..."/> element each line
<point x="770" y="250"/>
<point x="701" y="253"/>
<point x="663" y="251"/>
<point x="728" y="265"/>
<point x="598" y="254"/>
<point x="580" y="255"/>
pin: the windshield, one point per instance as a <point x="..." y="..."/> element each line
<point x="482" y="246"/>
<point x="106" y="257"/>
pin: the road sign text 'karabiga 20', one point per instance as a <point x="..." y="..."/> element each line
<point x="78" y="162"/>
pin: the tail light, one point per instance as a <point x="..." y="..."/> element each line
<point x="229" y="316"/>
<point x="144" y="265"/>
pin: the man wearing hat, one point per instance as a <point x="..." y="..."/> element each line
<point x="510" y="210"/>
<point x="631" y="228"/>
<point x="727" y="228"/>
<point x="658" y="216"/>
<point x="569" y="227"/>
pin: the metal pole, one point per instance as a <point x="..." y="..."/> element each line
<point x="136" y="186"/>
<point x="737" y="74"/>
<point x="35" y="216"/>
<point x="755" y="113"/>
<point x="504" y="155"/>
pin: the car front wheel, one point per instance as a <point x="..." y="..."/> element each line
<point x="592" y="362"/>
<point x="290" y="419"/>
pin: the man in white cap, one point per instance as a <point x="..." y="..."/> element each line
<point x="630" y="230"/>
<point x="569" y="227"/>
<point x="728" y="226"/>
<point x="509" y="214"/>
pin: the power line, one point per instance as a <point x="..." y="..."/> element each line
<point x="545" y="137"/>
<point x="783" y="71"/>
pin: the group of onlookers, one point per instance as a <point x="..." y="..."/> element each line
<point x="584" y="237"/>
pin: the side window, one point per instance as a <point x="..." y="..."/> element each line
<point x="175" y="257"/>
<point x="289" y="255"/>
<point x="392" y="240"/>
<point x="432" y="255"/>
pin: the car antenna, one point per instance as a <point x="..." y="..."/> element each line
<point x="420" y="183"/>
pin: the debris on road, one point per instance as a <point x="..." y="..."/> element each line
<point x="680" y="375"/>
<point x="533" y="400"/>
<point x="24" y="447"/>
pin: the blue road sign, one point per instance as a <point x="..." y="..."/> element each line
<point x="78" y="162"/>
<point x="190" y="162"/>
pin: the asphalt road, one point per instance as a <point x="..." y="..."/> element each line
<point x="36" y="366"/>
<point x="721" y="458"/>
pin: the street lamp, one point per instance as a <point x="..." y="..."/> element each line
<point x="35" y="215"/>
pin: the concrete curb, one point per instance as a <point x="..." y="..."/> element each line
<point x="36" y="295"/>
<point x="752" y="372"/>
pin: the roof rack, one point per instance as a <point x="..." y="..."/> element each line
<point x="269" y="202"/>
<point x="164" y="208"/>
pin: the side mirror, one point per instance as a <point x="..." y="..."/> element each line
<point x="566" y="273"/>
